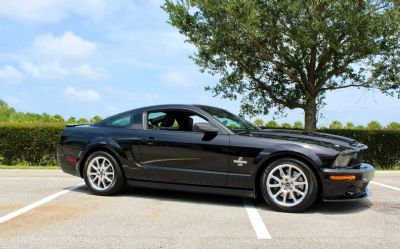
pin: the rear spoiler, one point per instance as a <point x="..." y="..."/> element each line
<point x="74" y="125"/>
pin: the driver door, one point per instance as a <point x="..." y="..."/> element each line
<point x="172" y="152"/>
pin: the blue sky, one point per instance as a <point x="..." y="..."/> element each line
<point x="88" y="57"/>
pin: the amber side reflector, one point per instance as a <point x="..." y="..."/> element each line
<point x="343" y="178"/>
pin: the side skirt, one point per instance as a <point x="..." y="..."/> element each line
<point x="192" y="188"/>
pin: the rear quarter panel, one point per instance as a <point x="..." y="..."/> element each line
<point x="77" y="143"/>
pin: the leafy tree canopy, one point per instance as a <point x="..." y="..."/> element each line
<point x="258" y="122"/>
<point x="288" y="54"/>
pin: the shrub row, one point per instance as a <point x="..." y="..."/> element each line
<point x="37" y="144"/>
<point x="383" y="145"/>
<point x="29" y="144"/>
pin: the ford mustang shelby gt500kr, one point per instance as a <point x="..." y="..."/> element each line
<point x="207" y="149"/>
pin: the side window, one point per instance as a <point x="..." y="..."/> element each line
<point x="173" y="120"/>
<point x="120" y="122"/>
<point x="198" y="120"/>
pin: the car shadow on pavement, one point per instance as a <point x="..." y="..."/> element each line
<point x="329" y="208"/>
<point x="170" y="195"/>
<point x="320" y="207"/>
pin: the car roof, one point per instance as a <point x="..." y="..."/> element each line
<point x="152" y="107"/>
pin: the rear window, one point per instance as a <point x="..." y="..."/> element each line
<point x="121" y="121"/>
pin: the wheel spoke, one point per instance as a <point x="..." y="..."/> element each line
<point x="284" y="196"/>
<point x="290" y="171"/>
<point x="282" y="173"/>
<point x="297" y="176"/>
<point x="108" y="166"/>
<point x="108" y="179"/>
<point x="300" y="183"/>
<point x="293" y="196"/>
<point x="278" y="193"/>
<point x="298" y="191"/>
<point x="276" y="178"/>
<point x="274" y="185"/>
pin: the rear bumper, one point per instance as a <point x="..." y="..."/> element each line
<point x="340" y="190"/>
<point x="67" y="161"/>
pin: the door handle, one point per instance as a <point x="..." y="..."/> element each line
<point x="150" y="140"/>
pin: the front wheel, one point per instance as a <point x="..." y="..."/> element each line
<point x="102" y="174"/>
<point x="289" y="185"/>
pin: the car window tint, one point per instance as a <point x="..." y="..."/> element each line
<point x="124" y="121"/>
<point x="173" y="120"/>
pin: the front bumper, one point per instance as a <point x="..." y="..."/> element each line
<point x="336" y="190"/>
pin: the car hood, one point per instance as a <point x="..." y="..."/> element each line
<point x="322" y="139"/>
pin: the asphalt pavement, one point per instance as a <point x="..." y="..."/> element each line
<point x="47" y="209"/>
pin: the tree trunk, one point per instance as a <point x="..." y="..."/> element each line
<point x="310" y="117"/>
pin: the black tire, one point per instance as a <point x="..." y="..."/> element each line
<point x="281" y="201"/>
<point x="118" y="181"/>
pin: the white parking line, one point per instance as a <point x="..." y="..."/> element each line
<point x="384" y="185"/>
<point x="37" y="203"/>
<point x="256" y="221"/>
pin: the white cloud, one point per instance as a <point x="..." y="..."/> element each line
<point x="67" y="55"/>
<point x="47" y="70"/>
<point x="82" y="95"/>
<point x="176" y="79"/>
<point x="89" y="72"/>
<point x="51" y="10"/>
<point x="67" y="47"/>
<point x="10" y="75"/>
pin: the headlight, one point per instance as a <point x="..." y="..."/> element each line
<point x="343" y="160"/>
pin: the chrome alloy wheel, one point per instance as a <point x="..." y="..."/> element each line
<point x="100" y="173"/>
<point x="287" y="185"/>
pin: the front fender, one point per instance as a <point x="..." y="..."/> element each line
<point x="288" y="150"/>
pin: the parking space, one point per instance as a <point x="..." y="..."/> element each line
<point x="143" y="218"/>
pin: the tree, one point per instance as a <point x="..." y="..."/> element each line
<point x="5" y="111"/>
<point x="258" y="122"/>
<point x="286" y="125"/>
<point x="393" y="126"/>
<point x="374" y="125"/>
<point x="349" y="126"/>
<point x="288" y="54"/>
<point x="96" y="119"/>
<point x="335" y="125"/>
<point x="72" y="120"/>
<point x="272" y="124"/>
<point x="83" y="121"/>
<point x="298" y="125"/>
<point x="360" y="127"/>
<point x="58" y="118"/>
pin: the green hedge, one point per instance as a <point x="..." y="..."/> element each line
<point x="383" y="145"/>
<point x="29" y="144"/>
<point x="36" y="144"/>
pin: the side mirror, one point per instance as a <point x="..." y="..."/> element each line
<point x="205" y="128"/>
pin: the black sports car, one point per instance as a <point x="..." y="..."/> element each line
<point x="207" y="149"/>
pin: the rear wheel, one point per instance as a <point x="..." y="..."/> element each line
<point x="103" y="174"/>
<point x="289" y="185"/>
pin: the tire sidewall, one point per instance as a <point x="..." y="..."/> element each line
<point x="312" y="186"/>
<point x="116" y="185"/>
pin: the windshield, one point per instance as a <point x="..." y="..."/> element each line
<point x="233" y="122"/>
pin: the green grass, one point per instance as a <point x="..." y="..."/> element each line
<point x="28" y="167"/>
